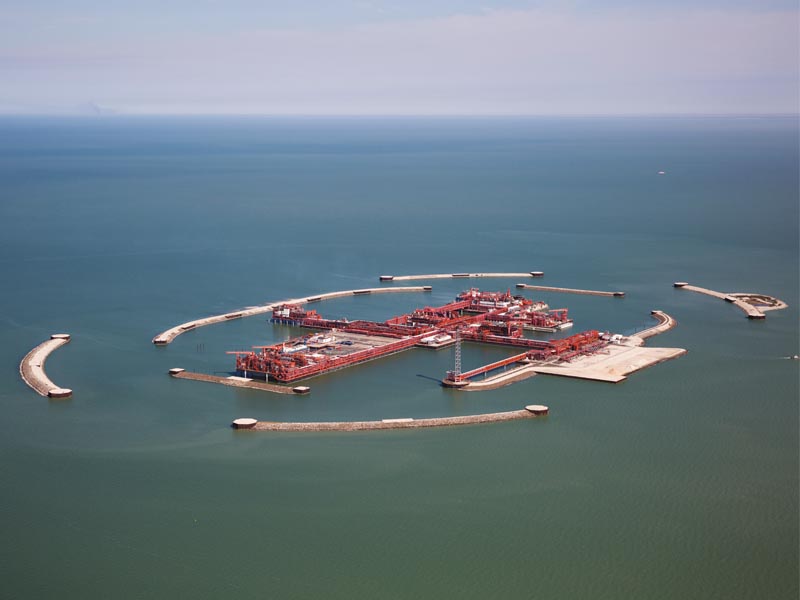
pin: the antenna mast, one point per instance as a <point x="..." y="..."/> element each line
<point x="458" y="353"/>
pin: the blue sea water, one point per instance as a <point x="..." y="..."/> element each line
<point x="681" y="482"/>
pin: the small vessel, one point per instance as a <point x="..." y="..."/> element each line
<point x="320" y="341"/>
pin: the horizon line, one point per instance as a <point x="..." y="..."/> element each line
<point x="111" y="115"/>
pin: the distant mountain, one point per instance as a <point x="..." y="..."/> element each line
<point x="82" y="109"/>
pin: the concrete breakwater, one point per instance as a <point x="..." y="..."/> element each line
<point x="665" y="323"/>
<point x="742" y="301"/>
<point x="166" y="337"/>
<point x="544" y="288"/>
<point x="527" y="413"/>
<point x="31" y="369"/>
<point x="458" y="276"/>
<point x="241" y="382"/>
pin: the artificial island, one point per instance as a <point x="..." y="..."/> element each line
<point x="497" y="318"/>
<point x="487" y="317"/>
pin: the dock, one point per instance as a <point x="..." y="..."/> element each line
<point x="398" y="423"/>
<point x="753" y="305"/>
<point x="31" y="369"/>
<point x="467" y="381"/>
<point x="168" y="336"/>
<point x="240" y="382"/>
<point x="386" y="278"/>
<point x="544" y="288"/>
<point x="518" y="373"/>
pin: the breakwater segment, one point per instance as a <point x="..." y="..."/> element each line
<point x="403" y="423"/>
<point x="665" y="323"/>
<point x="545" y="288"/>
<point x="166" y="337"/>
<point x="457" y="276"/>
<point x="31" y="369"/>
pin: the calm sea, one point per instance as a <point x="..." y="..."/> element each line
<point x="681" y="482"/>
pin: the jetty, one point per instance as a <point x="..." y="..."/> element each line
<point x="240" y="382"/>
<point x="518" y="373"/>
<point x="753" y="305"/>
<point x="528" y="412"/>
<point x="32" y="367"/>
<point x="167" y="337"/>
<point x="386" y="278"/>
<point x="544" y="288"/>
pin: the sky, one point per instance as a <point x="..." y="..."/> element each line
<point x="376" y="57"/>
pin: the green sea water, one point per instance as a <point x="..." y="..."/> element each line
<point x="681" y="482"/>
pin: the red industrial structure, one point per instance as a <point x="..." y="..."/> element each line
<point x="487" y="317"/>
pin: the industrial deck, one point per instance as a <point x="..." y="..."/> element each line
<point x="488" y="317"/>
<point x="613" y="363"/>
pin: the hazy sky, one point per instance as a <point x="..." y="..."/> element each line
<point x="402" y="57"/>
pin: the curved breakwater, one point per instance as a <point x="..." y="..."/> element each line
<point x="166" y="337"/>
<point x="31" y="369"/>
<point x="665" y="323"/>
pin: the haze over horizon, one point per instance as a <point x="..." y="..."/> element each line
<point x="458" y="57"/>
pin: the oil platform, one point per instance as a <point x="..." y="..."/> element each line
<point x="498" y="318"/>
